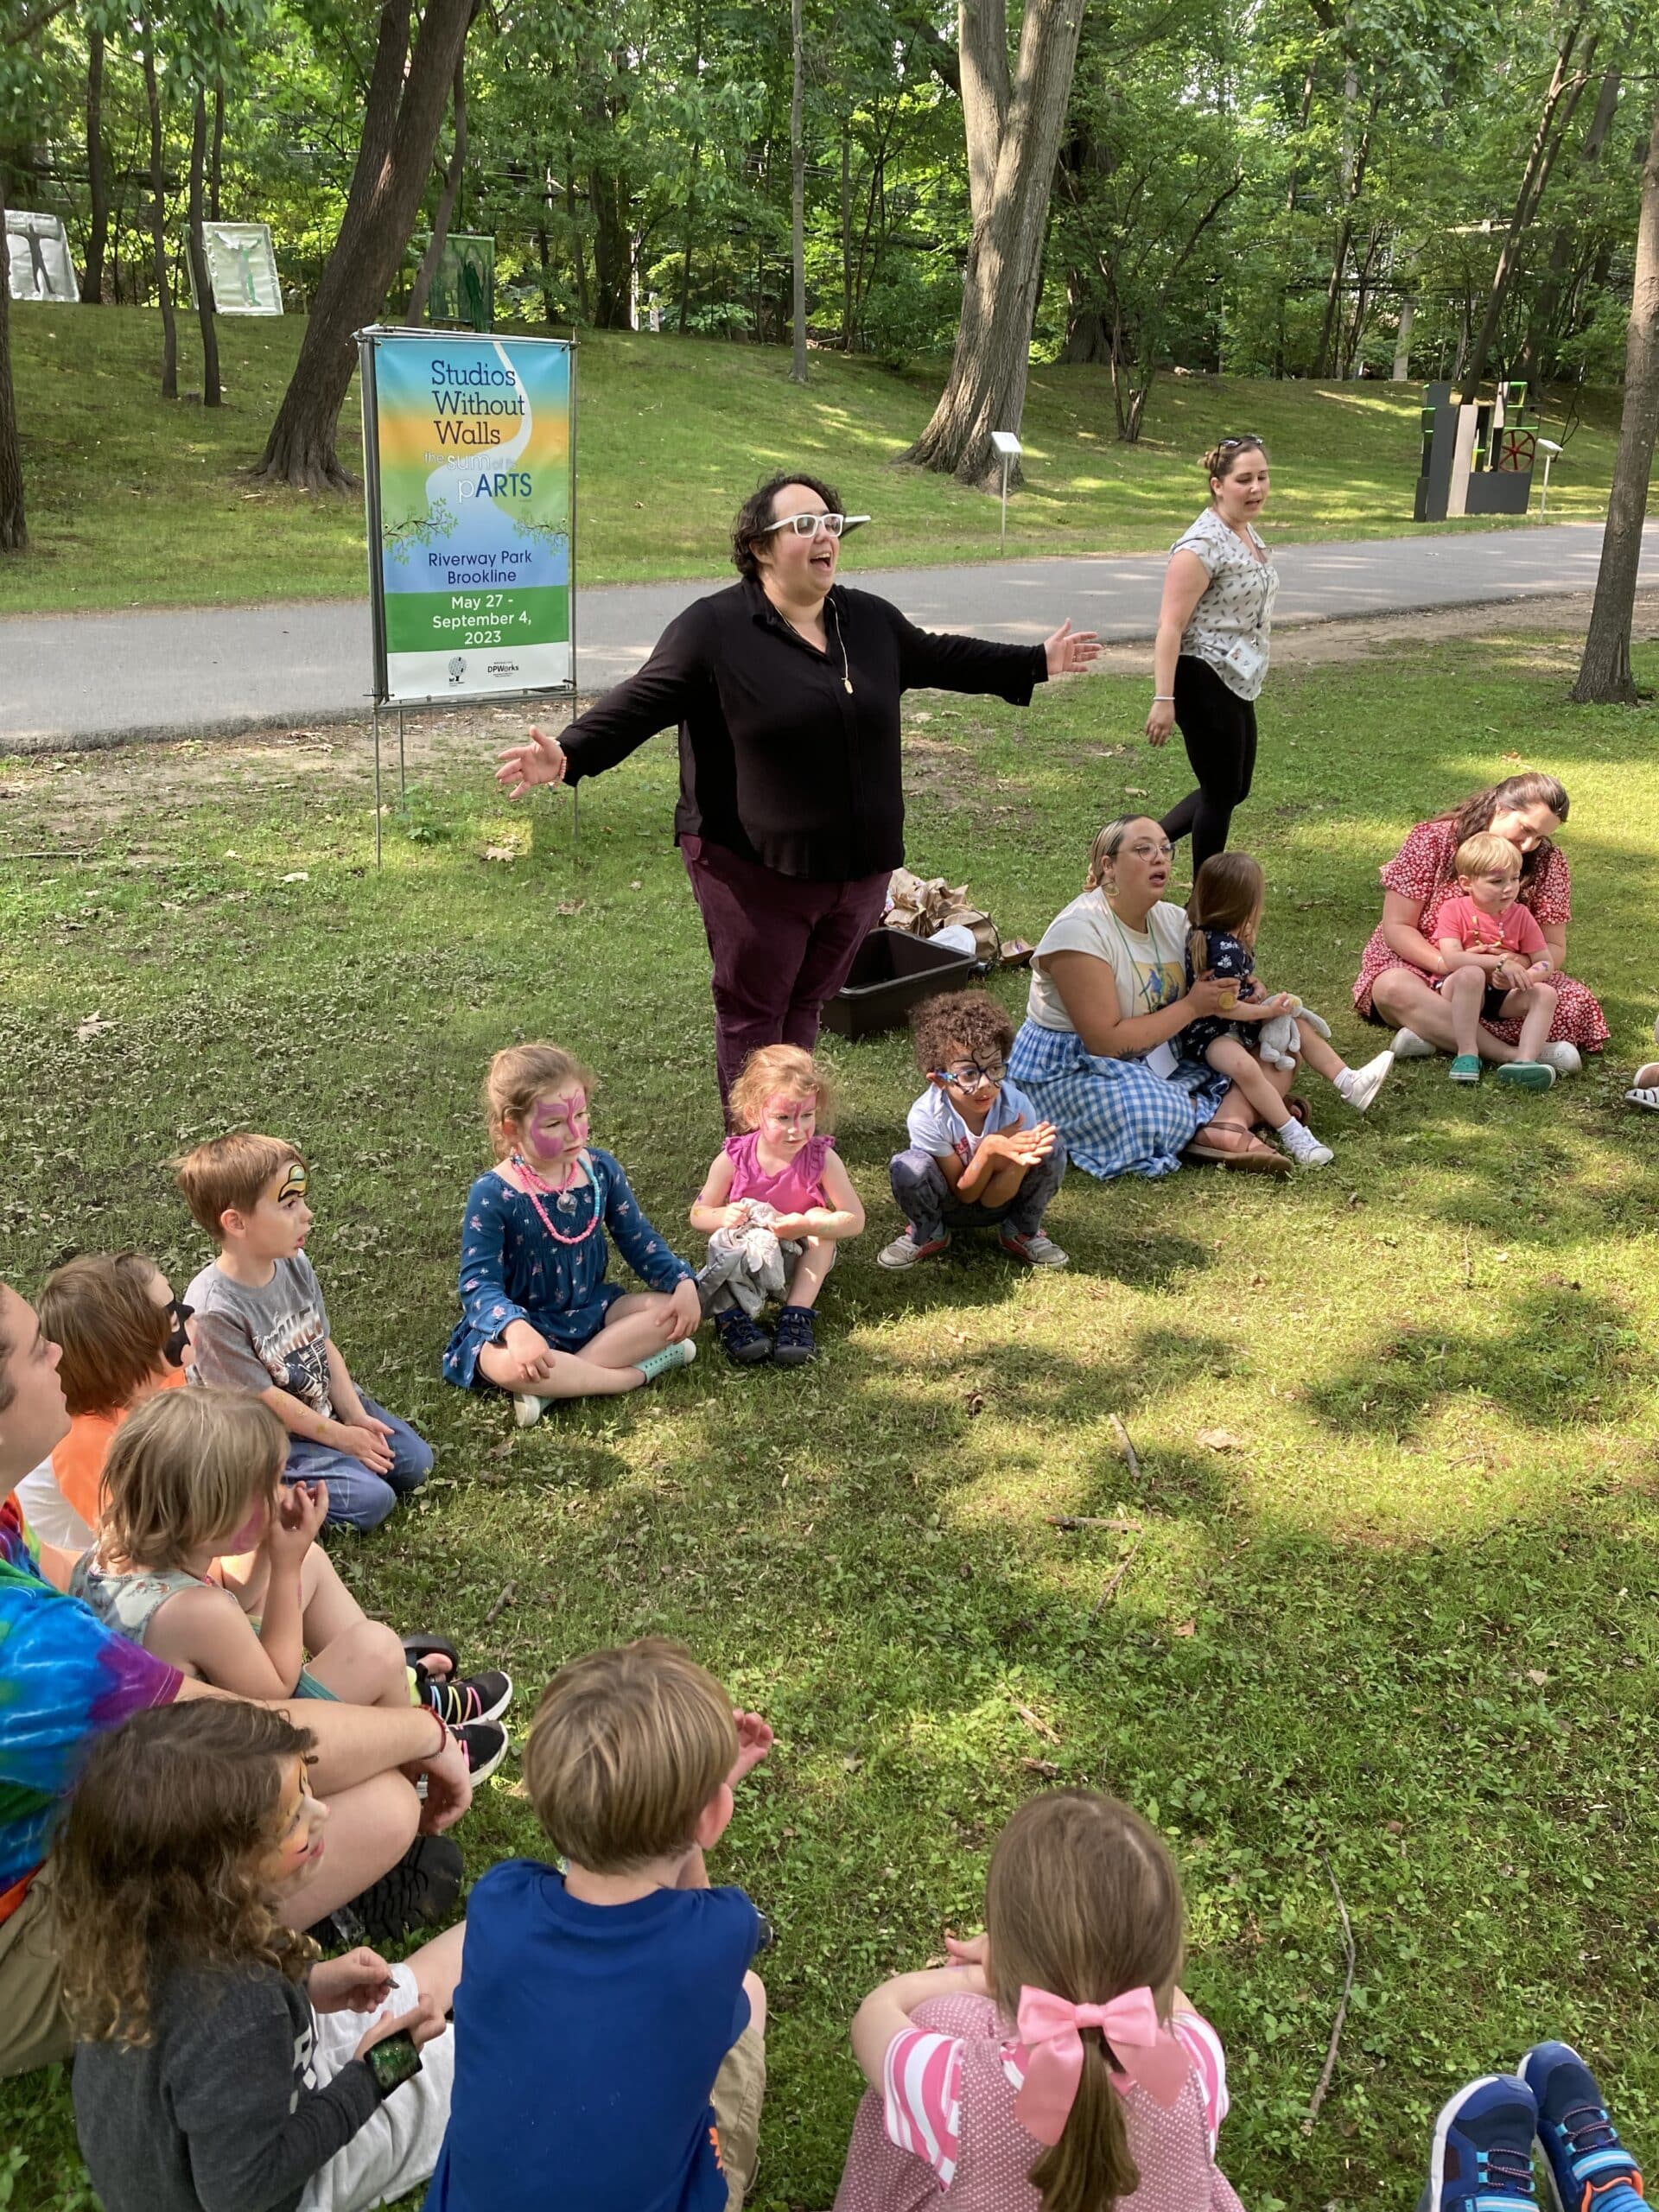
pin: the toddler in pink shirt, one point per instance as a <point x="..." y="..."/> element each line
<point x="1494" y="962"/>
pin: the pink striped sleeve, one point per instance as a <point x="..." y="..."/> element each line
<point x="1203" y="2046"/>
<point x="923" y="2098"/>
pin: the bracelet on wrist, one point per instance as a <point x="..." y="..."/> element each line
<point x="1163" y="698"/>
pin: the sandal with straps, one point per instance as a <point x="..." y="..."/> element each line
<point x="1646" y="1094"/>
<point x="1223" y="1144"/>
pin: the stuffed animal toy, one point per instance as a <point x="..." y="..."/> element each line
<point x="1280" y="1040"/>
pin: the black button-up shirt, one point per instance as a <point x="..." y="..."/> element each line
<point x="780" y="761"/>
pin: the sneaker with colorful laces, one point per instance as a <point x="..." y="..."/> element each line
<point x="485" y="1742"/>
<point x="1036" y="1250"/>
<point x="1589" y="2168"/>
<point x="1482" y="2158"/>
<point x="905" y="1250"/>
<point x="457" y="1698"/>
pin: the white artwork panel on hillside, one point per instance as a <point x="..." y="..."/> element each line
<point x="243" y="266"/>
<point x="39" y="267"/>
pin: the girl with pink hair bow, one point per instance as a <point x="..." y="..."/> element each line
<point x="1053" y="2064"/>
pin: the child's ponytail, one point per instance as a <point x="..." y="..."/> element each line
<point x="1083" y="1901"/>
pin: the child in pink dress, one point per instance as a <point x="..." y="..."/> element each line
<point x="780" y="1176"/>
<point x="1055" y="2061"/>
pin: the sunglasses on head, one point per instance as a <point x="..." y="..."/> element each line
<point x="810" y="526"/>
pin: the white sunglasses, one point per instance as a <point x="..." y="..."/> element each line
<point x="810" y="526"/>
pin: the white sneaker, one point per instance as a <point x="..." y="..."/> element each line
<point x="1359" y="1086"/>
<point x="528" y="1408"/>
<point x="1563" y="1058"/>
<point x="1409" y="1045"/>
<point x="1304" y="1148"/>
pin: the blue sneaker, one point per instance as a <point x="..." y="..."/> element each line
<point x="1482" y="2160"/>
<point x="1587" y="2165"/>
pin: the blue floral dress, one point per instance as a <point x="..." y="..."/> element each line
<point x="1229" y="961"/>
<point x="512" y="1270"/>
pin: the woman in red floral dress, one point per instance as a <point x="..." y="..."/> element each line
<point x="1394" y="985"/>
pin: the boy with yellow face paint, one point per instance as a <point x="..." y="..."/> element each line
<point x="261" y="1324"/>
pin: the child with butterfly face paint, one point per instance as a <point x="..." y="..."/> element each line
<point x="539" y="1318"/>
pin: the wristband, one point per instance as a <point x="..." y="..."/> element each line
<point x="1163" y="698"/>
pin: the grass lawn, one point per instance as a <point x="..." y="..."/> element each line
<point x="1401" y="1636"/>
<point x="137" y="502"/>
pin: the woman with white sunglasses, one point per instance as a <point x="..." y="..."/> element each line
<point x="785" y="687"/>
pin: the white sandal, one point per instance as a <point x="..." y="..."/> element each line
<point x="1648" y="1095"/>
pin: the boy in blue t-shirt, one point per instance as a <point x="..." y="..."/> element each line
<point x="978" y="1157"/>
<point x="610" y="2039"/>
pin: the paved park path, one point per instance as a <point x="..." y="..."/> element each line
<point x="78" y="679"/>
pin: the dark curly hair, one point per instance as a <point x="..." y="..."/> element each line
<point x="963" y="1021"/>
<point x="155" y="1863"/>
<point x="756" y="512"/>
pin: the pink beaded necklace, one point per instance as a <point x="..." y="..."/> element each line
<point x="536" y="1189"/>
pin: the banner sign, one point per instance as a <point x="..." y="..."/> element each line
<point x="242" y="267"/>
<point x="469" y="451"/>
<point x="463" y="284"/>
<point x="37" y="255"/>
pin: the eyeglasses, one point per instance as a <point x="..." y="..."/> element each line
<point x="810" y="526"/>
<point x="971" y="1076"/>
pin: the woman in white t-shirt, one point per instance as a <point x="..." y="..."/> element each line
<point x="1210" y="660"/>
<point x="1108" y="997"/>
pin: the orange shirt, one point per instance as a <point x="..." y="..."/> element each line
<point x="78" y="1462"/>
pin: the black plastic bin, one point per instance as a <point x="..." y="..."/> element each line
<point x="891" y="973"/>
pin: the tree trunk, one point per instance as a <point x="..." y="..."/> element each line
<point x="1605" y="672"/>
<point x="198" y="270"/>
<point x="797" y="202"/>
<point x="14" y="528"/>
<point x="402" y="115"/>
<point x="1541" y="325"/>
<point x="1402" y="340"/>
<point x="1541" y="159"/>
<point x="421" y="291"/>
<point x="612" y="268"/>
<point x="216" y="157"/>
<point x="1013" y="126"/>
<point x="97" y="175"/>
<point x="158" y="219"/>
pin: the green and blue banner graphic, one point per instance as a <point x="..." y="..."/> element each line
<point x="468" y="449"/>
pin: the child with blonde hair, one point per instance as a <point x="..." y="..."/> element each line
<point x="781" y="1176"/>
<point x="1224" y="913"/>
<point x="1055" y="2065"/>
<point x="539" y="1319"/>
<point x="1495" y="965"/>
<point x="610" y="2037"/>
<point x="200" y="1532"/>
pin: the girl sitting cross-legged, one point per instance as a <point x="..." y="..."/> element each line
<point x="539" y="1319"/>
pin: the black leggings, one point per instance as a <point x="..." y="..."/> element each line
<point x="1219" y="729"/>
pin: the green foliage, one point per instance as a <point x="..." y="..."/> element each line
<point x="1405" y="1632"/>
<point x="127" y="510"/>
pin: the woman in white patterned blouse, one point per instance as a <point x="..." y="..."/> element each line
<point x="1210" y="660"/>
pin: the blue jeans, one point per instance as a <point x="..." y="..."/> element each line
<point x="357" y="1497"/>
<point x="930" y="1206"/>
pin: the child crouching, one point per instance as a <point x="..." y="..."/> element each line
<point x="610" y="2037"/>
<point x="978" y="1157"/>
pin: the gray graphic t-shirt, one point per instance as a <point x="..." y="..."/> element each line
<point x="248" y="1340"/>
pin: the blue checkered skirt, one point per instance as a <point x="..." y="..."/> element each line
<point x="1118" y="1117"/>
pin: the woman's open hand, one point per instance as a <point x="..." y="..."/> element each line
<point x="541" y="760"/>
<point x="1070" y="650"/>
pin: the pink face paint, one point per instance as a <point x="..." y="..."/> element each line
<point x="790" y="1117"/>
<point x="557" y="1127"/>
<point x="250" y="1534"/>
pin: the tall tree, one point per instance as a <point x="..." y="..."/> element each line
<point x="200" y="275"/>
<point x="1013" y="120"/>
<point x="14" y="526"/>
<point x="408" y="92"/>
<point x="1605" y="673"/>
<point x="797" y="195"/>
<point x="158" y="215"/>
<point x="420" y="290"/>
<point x="97" y="175"/>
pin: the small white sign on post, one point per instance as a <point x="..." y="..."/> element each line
<point x="1005" y="444"/>
<point x="1548" y="448"/>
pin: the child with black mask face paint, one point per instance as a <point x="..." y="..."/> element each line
<point x="124" y="1337"/>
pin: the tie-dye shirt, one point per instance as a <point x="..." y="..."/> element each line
<point x="64" y="1678"/>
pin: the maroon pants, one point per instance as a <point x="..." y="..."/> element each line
<point x="781" y="948"/>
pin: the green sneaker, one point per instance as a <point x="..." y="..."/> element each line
<point x="1466" y="1068"/>
<point x="1526" y="1075"/>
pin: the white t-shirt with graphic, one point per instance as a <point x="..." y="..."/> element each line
<point x="1149" y="965"/>
<point x="1237" y="608"/>
<point x="935" y="1126"/>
